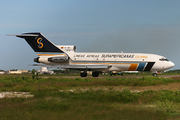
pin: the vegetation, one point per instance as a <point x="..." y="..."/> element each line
<point x="56" y="71"/>
<point x="89" y="98"/>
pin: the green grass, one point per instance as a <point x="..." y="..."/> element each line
<point x="63" y="98"/>
<point x="58" y="108"/>
<point x="27" y="84"/>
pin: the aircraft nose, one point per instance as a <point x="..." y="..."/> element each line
<point x="170" y="64"/>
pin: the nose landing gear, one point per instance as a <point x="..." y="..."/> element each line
<point x="155" y="74"/>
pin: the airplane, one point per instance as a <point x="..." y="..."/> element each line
<point x="66" y="57"/>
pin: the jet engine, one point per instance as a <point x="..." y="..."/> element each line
<point x="59" y="59"/>
<point x="67" y="48"/>
<point x="36" y="60"/>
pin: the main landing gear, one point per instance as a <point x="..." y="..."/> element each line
<point x="83" y="74"/>
<point x="94" y="74"/>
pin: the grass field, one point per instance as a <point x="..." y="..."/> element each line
<point x="110" y="98"/>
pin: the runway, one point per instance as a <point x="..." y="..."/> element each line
<point x="126" y="76"/>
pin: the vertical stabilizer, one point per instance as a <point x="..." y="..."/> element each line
<point x="39" y="43"/>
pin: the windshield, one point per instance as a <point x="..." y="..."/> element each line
<point x="163" y="59"/>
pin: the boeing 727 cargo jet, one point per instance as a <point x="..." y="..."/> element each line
<point x="66" y="57"/>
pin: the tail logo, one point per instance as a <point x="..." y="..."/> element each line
<point x="40" y="44"/>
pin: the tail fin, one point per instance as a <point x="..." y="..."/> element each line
<point x="39" y="43"/>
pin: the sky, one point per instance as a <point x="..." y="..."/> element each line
<point x="131" y="26"/>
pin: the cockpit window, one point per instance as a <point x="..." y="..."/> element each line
<point x="163" y="59"/>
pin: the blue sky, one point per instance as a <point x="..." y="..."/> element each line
<point x="142" y="26"/>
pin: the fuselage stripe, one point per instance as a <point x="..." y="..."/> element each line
<point x="132" y="67"/>
<point x="140" y="66"/>
<point x="149" y="66"/>
<point x="99" y="62"/>
<point x="46" y="54"/>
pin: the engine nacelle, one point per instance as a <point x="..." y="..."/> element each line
<point x="41" y="60"/>
<point x="61" y="59"/>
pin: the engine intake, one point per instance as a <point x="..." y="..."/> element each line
<point x="67" y="48"/>
<point x="36" y="60"/>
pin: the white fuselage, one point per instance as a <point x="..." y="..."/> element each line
<point x="115" y="61"/>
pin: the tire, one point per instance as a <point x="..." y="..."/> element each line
<point x="95" y="74"/>
<point x="155" y="74"/>
<point x="84" y="74"/>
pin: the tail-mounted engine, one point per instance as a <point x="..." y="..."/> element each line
<point x="59" y="59"/>
<point x="36" y="60"/>
<point x="67" y="48"/>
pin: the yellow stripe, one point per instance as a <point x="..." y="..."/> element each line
<point x="100" y="63"/>
<point x="50" y="54"/>
<point x="133" y="67"/>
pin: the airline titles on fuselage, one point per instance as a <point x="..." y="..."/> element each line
<point x="104" y="55"/>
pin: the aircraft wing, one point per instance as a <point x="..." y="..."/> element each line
<point x="78" y="67"/>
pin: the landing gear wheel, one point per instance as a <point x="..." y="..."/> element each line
<point x="84" y="74"/>
<point x="113" y="74"/>
<point x="95" y="74"/>
<point x="155" y="74"/>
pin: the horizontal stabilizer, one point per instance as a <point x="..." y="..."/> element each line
<point x="26" y="35"/>
<point x="39" y="43"/>
<point x="23" y="35"/>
